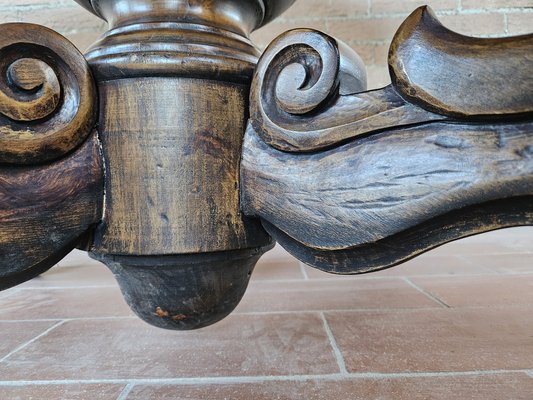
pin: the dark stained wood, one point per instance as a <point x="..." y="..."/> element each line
<point x="172" y="50"/>
<point x="46" y="210"/>
<point x="308" y="94"/>
<point x="348" y="181"/>
<point x="458" y="75"/>
<point x="398" y="248"/>
<point x="378" y="186"/>
<point x="202" y="39"/>
<point x="174" y="167"/>
<point x="47" y="95"/>
<point x="51" y="177"/>
<point x="375" y="188"/>
<point x="168" y="191"/>
<point x="173" y="83"/>
<point x="237" y="15"/>
<point x="185" y="291"/>
<point x="28" y="75"/>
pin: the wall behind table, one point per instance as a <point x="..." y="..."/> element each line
<point x="366" y="25"/>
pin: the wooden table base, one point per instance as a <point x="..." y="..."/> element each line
<point x="175" y="155"/>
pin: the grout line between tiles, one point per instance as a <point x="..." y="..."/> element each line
<point x="292" y="312"/>
<point x="133" y="317"/>
<point x="126" y="391"/>
<point x="369" y="277"/>
<point x="336" y="351"/>
<point x="224" y="380"/>
<point x="24" y="345"/>
<point x="7" y="293"/>
<point x="506" y="23"/>
<point x="302" y="269"/>
<point x="490" y="271"/>
<point x="425" y="292"/>
<point x="407" y="309"/>
<point x="69" y="287"/>
<point x="351" y="278"/>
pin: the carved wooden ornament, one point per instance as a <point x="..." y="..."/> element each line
<point x="175" y="155"/>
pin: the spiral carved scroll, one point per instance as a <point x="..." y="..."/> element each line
<point x="297" y="87"/>
<point x="47" y="95"/>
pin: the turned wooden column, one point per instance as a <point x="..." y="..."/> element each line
<point x="173" y="79"/>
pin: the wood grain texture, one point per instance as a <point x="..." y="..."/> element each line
<point x="398" y="248"/>
<point x="200" y="39"/>
<point x="308" y="94"/>
<point x="347" y="180"/>
<point x="354" y="182"/>
<point x="461" y="76"/>
<point x="236" y="15"/>
<point x="172" y="49"/>
<point x="186" y="291"/>
<point x="172" y="149"/>
<point x="378" y="186"/>
<point x="46" y="210"/>
<point x="173" y="81"/>
<point x="47" y="95"/>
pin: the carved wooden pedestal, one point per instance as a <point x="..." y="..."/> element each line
<point x="173" y="155"/>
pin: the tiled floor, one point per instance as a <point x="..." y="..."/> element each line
<point x="456" y="323"/>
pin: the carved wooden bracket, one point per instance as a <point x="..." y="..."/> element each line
<point x="143" y="152"/>
<point x="352" y="182"/>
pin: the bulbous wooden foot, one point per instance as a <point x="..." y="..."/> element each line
<point x="184" y="292"/>
<point x="173" y="85"/>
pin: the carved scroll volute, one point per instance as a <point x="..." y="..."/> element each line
<point x="301" y="73"/>
<point x="47" y="95"/>
<point x="51" y="173"/>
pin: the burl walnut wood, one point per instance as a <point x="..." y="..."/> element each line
<point x="170" y="154"/>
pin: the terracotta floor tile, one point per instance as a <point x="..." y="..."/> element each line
<point x="490" y="329"/>
<point x="505" y="263"/>
<point x="277" y="264"/>
<point x="239" y="345"/>
<point x="73" y="276"/>
<point x="435" y="340"/>
<point x="278" y="253"/>
<point x="9" y="292"/>
<point x="495" y="290"/>
<point x="78" y="258"/>
<point x="516" y="386"/>
<point x="61" y="392"/>
<point x="518" y="238"/>
<point x="332" y="295"/>
<point x="14" y="334"/>
<point x="425" y="264"/>
<point x="76" y="269"/>
<point x="273" y="269"/>
<point x="510" y="247"/>
<point x="503" y="241"/>
<point x="63" y="303"/>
